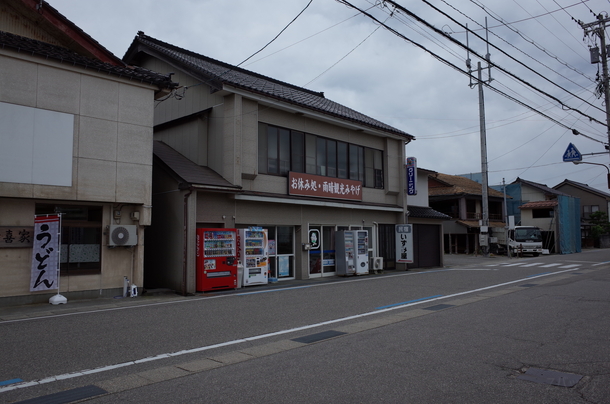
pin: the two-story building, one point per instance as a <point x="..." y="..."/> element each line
<point x="75" y="140"/>
<point x="461" y="198"/>
<point x="235" y="149"/>
<point x="591" y="200"/>
<point x="556" y="213"/>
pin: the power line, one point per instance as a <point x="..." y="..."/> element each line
<point x="346" y="55"/>
<point x="446" y="62"/>
<point x="493" y="64"/>
<point x="535" y="16"/>
<point x="551" y="32"/>
<point x="280" y="33"/>
<point x="531" y="41"/>
<point x="304" y="39"/>
<point x="522" y="51"/>
<point x="217" y="77"/>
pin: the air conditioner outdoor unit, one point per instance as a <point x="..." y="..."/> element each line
<point x="376" y="263"/>
<point x="123" y="235"/>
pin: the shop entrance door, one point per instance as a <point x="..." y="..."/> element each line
<point x="322" y="257"/>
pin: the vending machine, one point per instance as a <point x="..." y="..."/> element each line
<point x="352" y="252"/>
<point x="361" y="237"/>
<point x="254" y="254"/>
<point x="345" y="253"/>
<point x="216" y="259"/>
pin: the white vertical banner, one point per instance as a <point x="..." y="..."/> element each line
<point x="45" y="254"/>
<point x="404" y="243"/>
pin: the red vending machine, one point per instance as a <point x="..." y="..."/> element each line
<point x="216" y="259"/>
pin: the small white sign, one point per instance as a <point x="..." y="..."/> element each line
<point x="404" y="243"/>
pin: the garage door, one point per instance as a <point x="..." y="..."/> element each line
<point x="426" y="246"/>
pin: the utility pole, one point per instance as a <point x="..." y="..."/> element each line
<point x="484" y="238"/>
<point x="599" y="28"/>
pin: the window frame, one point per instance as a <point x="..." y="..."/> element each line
<point x="93" y="220"/>
<point x="318" y="155"/>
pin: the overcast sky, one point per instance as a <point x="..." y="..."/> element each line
<point x="357" y="62"/>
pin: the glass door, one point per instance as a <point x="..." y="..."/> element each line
<point x="328" y="250"/>
<point x="322" y="251"/>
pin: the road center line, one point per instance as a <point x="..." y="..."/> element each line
<point x="258" y="337"/>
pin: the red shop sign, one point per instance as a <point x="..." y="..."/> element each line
<point x="324" y="187"/>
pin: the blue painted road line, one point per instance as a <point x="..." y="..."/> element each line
<point x="272" y="290"/>
<point x="12" y="381"/>
<point x="410" y="301"/>
<point x="543" y="273"/>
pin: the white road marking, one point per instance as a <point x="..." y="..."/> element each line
<point x="473" y="269"/>
<point x="256" y="337"/>
<point x="194" y="299"/>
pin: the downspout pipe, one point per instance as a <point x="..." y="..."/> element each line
<point x="186" y="239"/>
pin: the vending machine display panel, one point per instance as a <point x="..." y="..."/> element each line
<point x="254" y="254"/>
<point x="216" y="262"/>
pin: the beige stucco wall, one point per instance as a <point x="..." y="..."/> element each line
<point x="15" y="263"/>
<point x="111" y="163"/>
<point x="529" y="194"/>
<point x="112" y="129"/>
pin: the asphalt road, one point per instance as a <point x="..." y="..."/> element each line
<point x="468" y="333"/>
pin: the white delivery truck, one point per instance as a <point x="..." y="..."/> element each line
<point x="525" y="240"/>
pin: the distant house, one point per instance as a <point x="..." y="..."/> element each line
<point x="75" y="139"/>
<point x="556" y="213"/>
<point x="591" y="200"/>
<point x="236" y="149"/>
<point x="461" y="199"/>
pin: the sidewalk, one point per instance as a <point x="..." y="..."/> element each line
<point x="8" y="313"/>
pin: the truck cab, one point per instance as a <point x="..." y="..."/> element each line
<point x="525" y="240"/>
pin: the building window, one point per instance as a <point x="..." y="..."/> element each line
<point x="310" y="154"/>
<point x="282" y="150"/>
<point x="373" y="170"/>
<point x="542" y="213"/>
<point x="342" y="166"/>
<point x="81" y="237"/>
<point x="588" y="209"/>
<point x="297" y="147"/>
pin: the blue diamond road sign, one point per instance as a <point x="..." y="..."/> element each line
<point x="572" y="154"/>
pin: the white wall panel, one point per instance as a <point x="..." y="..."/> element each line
<point x="35" y="146"/>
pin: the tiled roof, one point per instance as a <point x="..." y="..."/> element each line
<point x="217" y="74"/>
<point x="423" y="212"/>
<point x="541" y="187"/>
<point x="189" y="172"/>
<point x="457" y="185"/>
<point x="584" y="187"/>
<point x="539" y="205"/>
<point x="45" y="50"/>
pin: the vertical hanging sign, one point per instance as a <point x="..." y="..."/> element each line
<point x="411" y="176"/>
<point x="45" y="254"/>
<point x="404" y="243"/>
